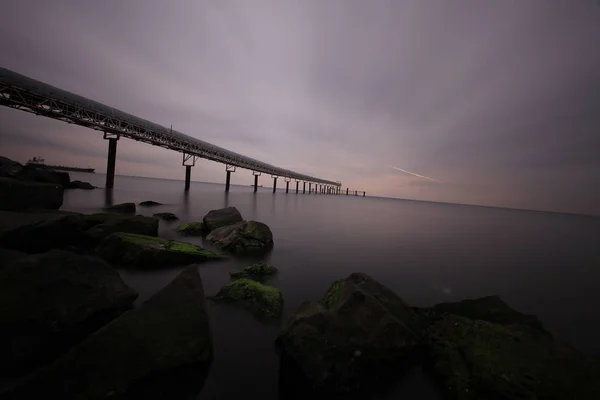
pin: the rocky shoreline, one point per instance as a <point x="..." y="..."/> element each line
<point x="70" y="327"/>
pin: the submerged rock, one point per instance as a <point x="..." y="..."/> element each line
<point x="123" y="223"/>
<point x="158" y="350"/>
<point x="243" y="237"/>
<point x="147" y="252"/>
<point x="128" y="208"/>
<point x="221" y="217"/>
<point x="254" y="272"/>
<point x="41" y="231"/>
<point x="81" y="185"/>
<point x="476" y="359"/>
<point x="165" y="216"/>
<point x="192" y="229"/>
<point x="150" y="203"/>
<point x="50" y="301"/>
<point x="359" y="335"/>
<point x="261" y="300"/>
<point x="19" y="195"/>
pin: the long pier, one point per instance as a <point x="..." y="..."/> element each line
<point x="23" y="93"/>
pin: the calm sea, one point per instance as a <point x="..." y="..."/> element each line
<point x="541" y="263"/>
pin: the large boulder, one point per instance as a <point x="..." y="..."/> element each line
<point x="9" y="168"/>
<point x="477" y="359"/>
<point x="221" y="217"/>
<point x="359" y="335"/>
<point x="261" y="300"/>
<point x="123" y="223"/>
<point x="243" y="237"/>
<point x="19" y="195"/>
<point x="43" y="174"/>
<point x="157" y="351"/>
<point x="91" y="220"/>
<point x="50" y="301"/>
<point x="257" y="272"/>
<point x="41" y="231"/>
<point x="192" y="229"/>
<point x="147" y="252"/>
<point x="81" y="185"/>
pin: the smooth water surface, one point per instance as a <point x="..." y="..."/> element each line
<point x="541" y="263"/>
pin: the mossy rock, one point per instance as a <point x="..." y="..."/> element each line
<point x="255" y="272"/>
<point x="221" y="217"/>
<point x="137" y="224"/>
<point x="147" y="252"/>
<point x="192" y="229"/>
<point x="261" y="300"/>
<point x="245" y="237"/>
<point x="126" y="208"/>
<point x="166" y="216"/>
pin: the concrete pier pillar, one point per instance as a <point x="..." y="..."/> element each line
<point x="355" y="192"/>
<point x="346" y="191"/>
<point x="297" y="184"/>
<point x="309" y="187"/>
<point x="110" y="163"/>
<point x="188" y="175"/>
<point x="274" y="184"/>
<point x="287" y="187"/>
<point x="227" y="181"/>
<point x="256" y="175"/>
<point x="303" y="187"/>
<point x="364" y="194"/>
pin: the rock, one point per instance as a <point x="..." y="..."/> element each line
<point x="81" y="185"/>
<point x="255" y="272"/>
<point x="261" y="300"/>
<point x="168" y="336"/>
<point x="150" y="203"/>
<point x="52" y="300"/>
<point x="127" y="208"/>
<point x="91" y="220"/>
<point x="9" y="168"/>
<point x="123" y="223"/>
<point x="43" y="174"/>
<point x="8" y="256"/>
<point x="39" y="232"/>
<point x="147" y="252"/>
<point x="357" y="337"/>
<point x="221" y="217"/>
<point x="18" y="195"/>
<point x="476" y="359"/>
<point x="165" y="216"/>
<point x="243" y="237"/>
<point x="192" y="229"/>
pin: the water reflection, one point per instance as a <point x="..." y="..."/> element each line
<point x="108" y="197"/>
<point x="186" y="203"/>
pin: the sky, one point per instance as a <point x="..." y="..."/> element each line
<point x="491" y="102"/>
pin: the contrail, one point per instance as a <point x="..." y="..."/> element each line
<point x="412" y="173"/>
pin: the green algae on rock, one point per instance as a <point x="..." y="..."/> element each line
<point x="261" y="300"/>
<point x="221" y="217"/>
<point x="254" y="272"/>
<point x="192" y="229"/>
<point x="139" y="251"/>
<point x="248" y="237"/>
<point x="166" y="216"/>
<point x="137" y="224"/>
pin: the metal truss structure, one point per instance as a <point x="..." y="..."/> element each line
<point x="23" y="93"/>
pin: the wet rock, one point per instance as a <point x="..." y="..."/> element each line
<point x="50" y="301"/>
<point x="255" y="272"/>
<point x="146" y="353"/>
<point x="43" y="174"/>
<point x="243" y="237"/>
<point x="261" y="300"/>
<point x="40" y="232"/>
<point x="91" y="220"/>
<point x="221" y="217"/>
<point x="150" y="203"/>
<point x="126" y="208"/>
<point x="165" y="216"/>
<point x="81" y="185"/>
<point x="9" y="168"/>
<point x="19" y="195"/>
<point x="358" y="337"/>
<point x="476" y="359"/>
<point x="8" y="256"/>
<point x="192" y="229"/>
<point x="122" y="223"/>
<point x="147" y="252"/>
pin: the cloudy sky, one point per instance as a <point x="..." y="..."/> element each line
<point x="498" y="101"/>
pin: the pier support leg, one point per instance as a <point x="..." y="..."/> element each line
<point x="274" y="184"/>
<point x="309" y="187"/>
<point x="188" y="175"/>
<point x="364" y="194"/>
<point x="346" y="191"/>
<point x="297" y="184"/>
<point x="256" y="175"/>
<point x="303" y="187"/>
<point x="227" y="181"/>
<point x="287" y="187"/>
<point x="189" y="161"/>
<point x="112" y="159"/>
<point x="355" y="192"/>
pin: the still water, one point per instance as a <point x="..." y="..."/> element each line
<point x="540" y="263"/>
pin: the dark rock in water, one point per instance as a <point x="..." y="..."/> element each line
<point x="43" y="174"/>
<point x="18" y="195"/>
<point x="131" y="357"/>
<point x="476" y="359"/>
<point x="165" y="216"/>
<point x="255" y="272"/>
<point x="192" y="229"/>
<point x="150" y="203"/>
<point x="123" y="223"/>
<point x="9" y="168"/>
<point x="147" y="252"/>
<point x="91" y="220"/>
<point x="221" y="217"/>
<point x="50" y="301"/>
<point x="262" y="300"/>
<point x="126" y="208"/>
<point x="39" y="232"/>
<point x="81" y="185"/>
<point x="358" y="337"/>
<point x="243" y="237"/>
